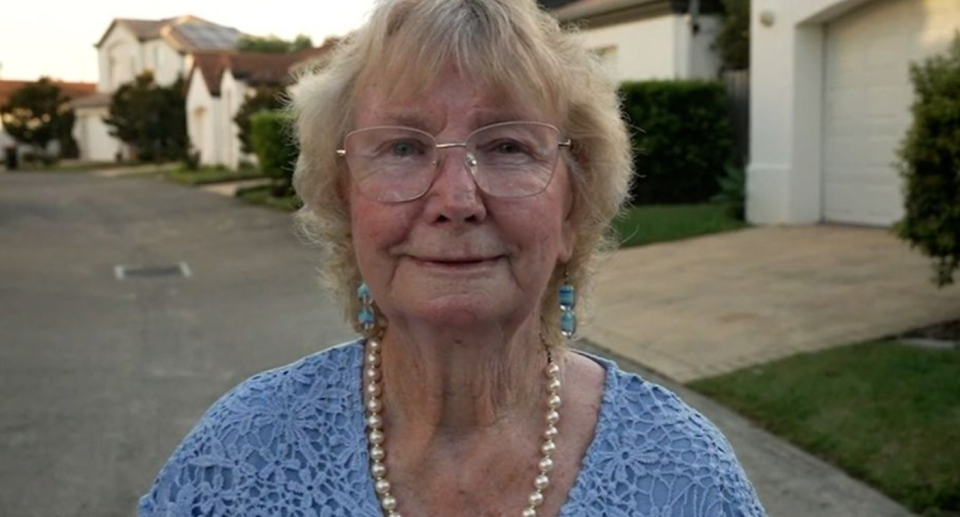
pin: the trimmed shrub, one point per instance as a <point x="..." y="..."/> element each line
<point x="682" y="139"/>
<point x="275" y="147"/>
<point x="930" y="163"/>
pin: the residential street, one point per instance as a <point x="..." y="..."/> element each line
<point x="100" y="377"/>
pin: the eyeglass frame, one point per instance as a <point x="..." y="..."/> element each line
<point x="470" y="160"/>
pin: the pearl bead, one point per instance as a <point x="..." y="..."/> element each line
<point x="382" y="486"/>
<point x="378" y="470"/>
<point x="548" y="447"/>
<point x="393" y="514"/>
<point x="377" y="453"/>
<point x="536" y="499"/>
<point x="553" y="369"/>
<point x="554" y="401"/>
<point x="375" y="421"/>
<point x="541" y="482"/>
<point x="373" y="358"/>
<point x="372" y="373"/>
<point x="374" y="405"/>
<point x="552" y="416"/>
<point x="554" y="385"/>
<point x="529" y="512"/>
<point x="546" y="465"/>
<point x="388" y="503"/>
<point x="376" y="437"/>
<point x="374" y="345"/>
<point x="374" y="389"/>
<point x="550" y="433"/>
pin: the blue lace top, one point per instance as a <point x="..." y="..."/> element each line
<point x="291" y="442"/>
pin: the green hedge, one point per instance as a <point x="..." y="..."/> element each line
<point x="276" y="150"/>
<point x="682" y="139"/>
<point x="930" y="163"/>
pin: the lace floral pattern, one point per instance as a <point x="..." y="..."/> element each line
<point x="291" y="442"/>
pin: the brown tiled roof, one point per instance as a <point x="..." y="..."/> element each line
<point x="254" y="68"/>
<point x="71" y="90"/>
<point x="185" y="33"/>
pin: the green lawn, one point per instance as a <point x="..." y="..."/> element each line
<point x="661" y="223"/>
<point x="208" y="175"/>
<point x="263" y="196"/>
<point x="884" y="412"/>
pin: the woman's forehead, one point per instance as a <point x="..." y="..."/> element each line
<point x="382" y="102"/>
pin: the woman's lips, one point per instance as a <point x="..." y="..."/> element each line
<point x="457" y="262"/>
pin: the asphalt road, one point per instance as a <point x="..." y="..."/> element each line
<point x="100" y="377"/>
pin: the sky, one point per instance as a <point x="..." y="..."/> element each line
<point x="56" y="37"/>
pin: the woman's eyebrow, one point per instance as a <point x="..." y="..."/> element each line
<point x="405" y="119"/>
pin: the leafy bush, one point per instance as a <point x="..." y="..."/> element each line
<point x="265" y="98"/>
<point x="930" y="163"/>
<point x="733" y="40"/>
<point x="733" y="192"/>
<point x="276" y="150"/>
<point x="682" y="139"/>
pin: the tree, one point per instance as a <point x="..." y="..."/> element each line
<point x="150" y="118"/>
<point x="37" y="114"/>
<point x="273" y="45"/>
<point x="733" y="41"/>
<point x="930" y="163"/>
<point x="264" y="99"/>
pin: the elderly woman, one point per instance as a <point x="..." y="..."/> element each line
<point x="460" y="161"/>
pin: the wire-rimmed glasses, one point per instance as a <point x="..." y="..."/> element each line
<point x="393" y="164"/>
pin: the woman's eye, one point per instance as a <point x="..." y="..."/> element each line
<point x="509" y="147"/>
<point x="404" y="149"/>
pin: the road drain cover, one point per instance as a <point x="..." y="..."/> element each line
<point x="181" y="270"/>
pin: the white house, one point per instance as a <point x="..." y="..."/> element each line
<point x="649" y="39"/>
<point x="830" y="99"/>
<point x="220" y="83"/>
<point x="127" y="49"/>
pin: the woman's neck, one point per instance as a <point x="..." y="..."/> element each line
<point x="450" y="385"/>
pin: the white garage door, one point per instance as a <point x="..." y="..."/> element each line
<point x="867" y="98"/>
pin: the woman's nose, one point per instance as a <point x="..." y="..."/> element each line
<point x="454" y="194"/>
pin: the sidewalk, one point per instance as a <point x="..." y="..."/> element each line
<point x="707" y="306"/>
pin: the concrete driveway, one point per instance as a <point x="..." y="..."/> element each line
<point x="707" y="306"/>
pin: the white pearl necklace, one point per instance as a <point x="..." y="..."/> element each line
<point x="376" y="436"/>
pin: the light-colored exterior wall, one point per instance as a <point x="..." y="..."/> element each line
<point x="233" y="94"/>
<point x="664" y="47"/>
<point x="93" y="137"/>
<point x="120" y="59"/>
<point x="785" y="178"/>
<point x="166" y="63"/>
<point x="203" y="118"/>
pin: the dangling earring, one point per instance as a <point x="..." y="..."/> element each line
<point x="568" y="301"/>
<point x="365" y="316"/>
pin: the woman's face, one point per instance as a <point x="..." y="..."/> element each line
<point x="457" y="257"/>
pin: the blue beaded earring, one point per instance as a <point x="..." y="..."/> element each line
<point x="568" y="301"/>
<point x="365" y="316"/>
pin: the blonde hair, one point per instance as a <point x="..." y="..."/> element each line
<point x="510" y="46"/>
